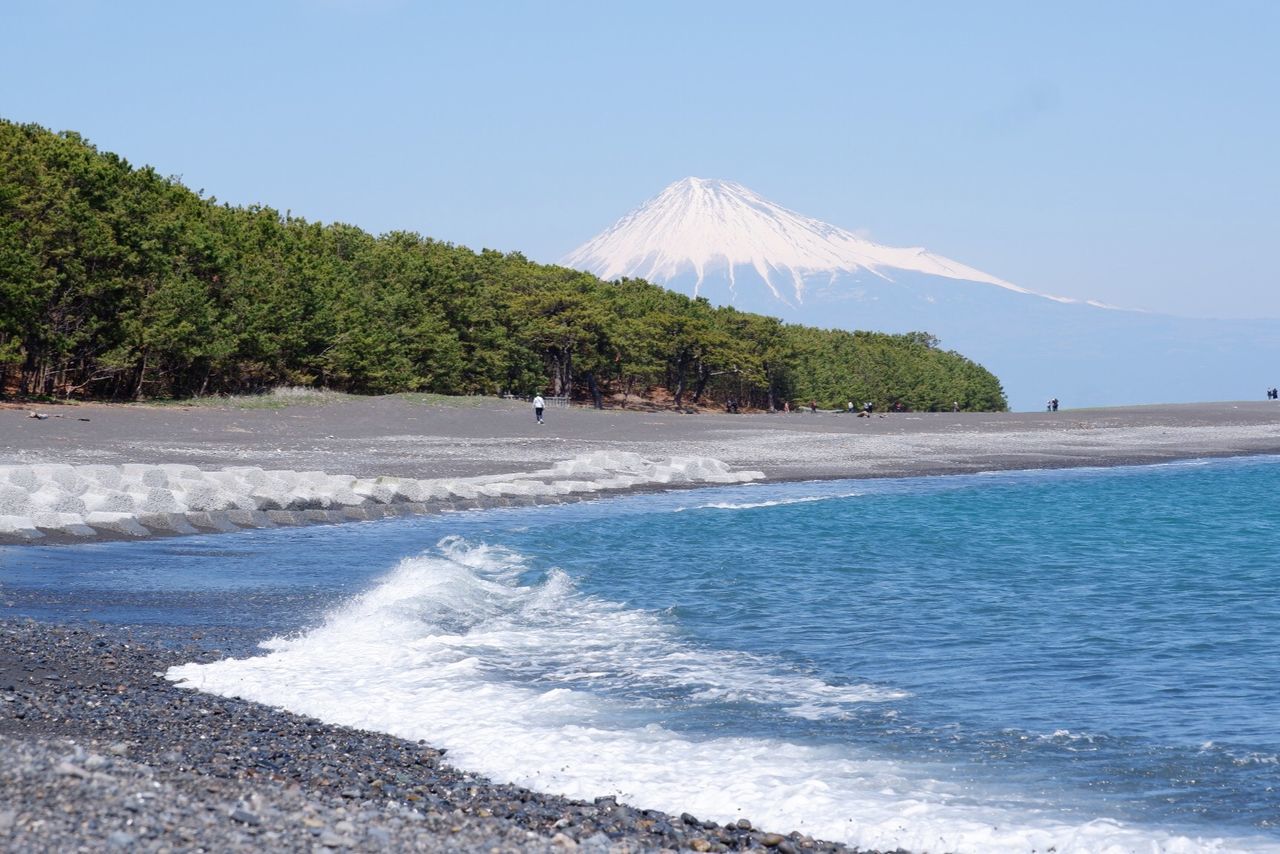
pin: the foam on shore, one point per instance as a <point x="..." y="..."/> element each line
<point x="135" y="500"/>
<point x="528" y="680"/>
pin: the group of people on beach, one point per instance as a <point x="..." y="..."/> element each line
<point x="1052" y="405"/>
<point x="1273" y="393"/>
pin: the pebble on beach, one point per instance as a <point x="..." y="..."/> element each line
<point x="99" y="752"/>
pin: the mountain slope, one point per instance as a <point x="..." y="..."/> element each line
<point x="720" y="240"/>
<point x="720" y="227"/>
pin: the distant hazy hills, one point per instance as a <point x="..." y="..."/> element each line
<point x="720" y="240"/>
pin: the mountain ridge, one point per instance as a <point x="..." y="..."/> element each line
<point x="706" y="225"/>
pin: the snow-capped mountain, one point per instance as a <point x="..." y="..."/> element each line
<point x="720" y="240"/>
<point x="708" y="227"/>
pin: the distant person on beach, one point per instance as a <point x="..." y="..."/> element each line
<point x="955" y="406"/>
<point x="1053" y="404"/>
<point x="849" y="407"/>
<point x="538" y="405"/>
<point x="813" y="406"/>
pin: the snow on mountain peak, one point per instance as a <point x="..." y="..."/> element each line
<point x="698" y="225"/>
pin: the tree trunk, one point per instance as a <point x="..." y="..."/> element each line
<point x="597" y="398"/>
<point x="28" y="373"/>
<point x="704" y="375"/>
<point x="681" y="367"/>
<point x="142" y="376"/>
<point x="557" y="374"/>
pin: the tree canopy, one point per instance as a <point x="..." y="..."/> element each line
<point x="116" y="282"/>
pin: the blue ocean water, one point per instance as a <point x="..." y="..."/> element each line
<point x="1086" y="659"/>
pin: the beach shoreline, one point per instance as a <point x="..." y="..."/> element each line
<point x="88" y="725"/>
<point x="306" y="454"/>
<point x="98" y="749"/>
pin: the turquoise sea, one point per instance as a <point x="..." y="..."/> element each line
<point x="1085" y="659"/>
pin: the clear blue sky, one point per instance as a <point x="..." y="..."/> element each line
<point x="1127" y="152"/>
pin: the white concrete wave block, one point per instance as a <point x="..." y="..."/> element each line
<point x="158" y="499"/>
<point x="22" y="477"/>
<point x="109" y="501"/>
<point x="62" y="523"/>
<point x="201" y="496"/>
<point x="381" y="493"/>
<point x="19" y="527"/>
<point x="14" y="500"/>
<point x="462" y="489"/>
<point x="106" y="477"/>
<point x="212" y="521"/>
<point x="169" y="523"/>
<point x="51" y="497"/>
<point x="116" y="523"/>
<point x="135" y="498"/>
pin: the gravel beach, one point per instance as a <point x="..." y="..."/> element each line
<point x="99" y="752"/>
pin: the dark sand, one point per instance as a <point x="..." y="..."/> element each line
<point x="407" y="436"/>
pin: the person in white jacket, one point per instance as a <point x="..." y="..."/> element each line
<point x="538" y="405"/>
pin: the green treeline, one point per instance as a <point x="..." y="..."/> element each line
<point x="116" y="282"/>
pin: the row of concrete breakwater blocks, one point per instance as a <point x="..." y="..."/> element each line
<point x="137" y="500"/>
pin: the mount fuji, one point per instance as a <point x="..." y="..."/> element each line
<point x="720" y="240"/>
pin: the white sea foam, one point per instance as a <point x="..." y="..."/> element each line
<point x="137" y="500"/>
<point x="755" y="505"/>
<point x="541" y="685"/>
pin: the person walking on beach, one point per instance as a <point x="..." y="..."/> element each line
<point x="538" y="405"/>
